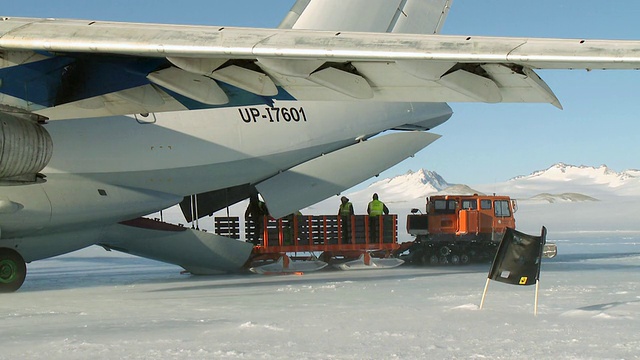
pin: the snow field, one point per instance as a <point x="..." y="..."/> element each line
<point x="133" y="308"/>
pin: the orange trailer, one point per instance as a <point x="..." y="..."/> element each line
<point x="335" y="239"/>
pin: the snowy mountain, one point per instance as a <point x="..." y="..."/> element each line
<point x="559" y="183"/>
<point x="597" y="182"/>
<point x="600" y="175"/>
<point x="400" y="193"/>
<point x="551" y="198"/>
<point x="410" y="185"/>
<point x="458" y="189"/>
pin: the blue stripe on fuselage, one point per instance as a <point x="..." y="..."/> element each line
<point x="36" y="82"/>
<point x="63" y="79"/>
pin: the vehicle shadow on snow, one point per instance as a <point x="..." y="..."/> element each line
<point x="323" y="277"/>
<point x="607" y="306"/>
<point x="592" y="261"/>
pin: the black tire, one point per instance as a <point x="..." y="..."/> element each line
<point x="13" y="271"/>
<point x="445" y="251"/>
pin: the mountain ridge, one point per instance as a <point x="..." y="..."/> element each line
<point x="602" y="171"/>
<point x="560" y="182"/>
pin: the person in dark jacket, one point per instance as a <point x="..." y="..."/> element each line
<point x="256" y="212"/>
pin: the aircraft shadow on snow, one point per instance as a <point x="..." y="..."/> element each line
<point x="127" y="271"/>
<point x="110" y="271"/>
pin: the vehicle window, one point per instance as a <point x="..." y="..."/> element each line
<point x="445" y="206"/>
<point x="485" y="204"/>
<point x="502" y="208"/>
<point x="470" y="204"/>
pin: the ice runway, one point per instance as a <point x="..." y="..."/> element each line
<point x="93" y="304"/>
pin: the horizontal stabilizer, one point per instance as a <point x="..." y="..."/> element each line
<point x="335" y="172"/>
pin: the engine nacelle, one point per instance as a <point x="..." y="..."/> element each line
<point x="25" y="148"/>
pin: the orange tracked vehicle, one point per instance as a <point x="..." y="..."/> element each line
<point x="458" y="229"/>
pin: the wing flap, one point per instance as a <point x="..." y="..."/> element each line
<point x="197" y="87"/>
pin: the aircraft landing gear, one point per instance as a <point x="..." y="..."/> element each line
<point x="13" y="270"/>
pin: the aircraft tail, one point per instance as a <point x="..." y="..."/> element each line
<point x="399" y="16"/>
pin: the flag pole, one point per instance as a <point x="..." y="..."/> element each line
<point x="484" y="293"/>
<point x="543" y="240"/>
<point x="535" y="306"/>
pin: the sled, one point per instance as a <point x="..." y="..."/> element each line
<point x="366" y="262"/>
<point x="285" y="266"/>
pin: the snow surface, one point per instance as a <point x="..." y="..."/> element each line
<point x="99" y="305"/>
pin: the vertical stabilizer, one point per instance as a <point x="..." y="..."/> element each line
<point x="400" y="16"/>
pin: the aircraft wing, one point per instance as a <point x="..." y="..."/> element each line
<point x="74" y="68"/>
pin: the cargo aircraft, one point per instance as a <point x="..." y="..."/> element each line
<point x="102" y="123"/>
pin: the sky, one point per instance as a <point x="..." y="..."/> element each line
<point x="481" y="143"/>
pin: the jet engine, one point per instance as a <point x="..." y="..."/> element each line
<point x="25" y="148"/>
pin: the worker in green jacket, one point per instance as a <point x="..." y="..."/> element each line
<point x="375" y="209"/>
<point x="345" y="212"/>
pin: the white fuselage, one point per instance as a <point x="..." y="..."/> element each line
<point x="190" y="152"/>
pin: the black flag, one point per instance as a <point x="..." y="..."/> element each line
<point x="518" y="258"/>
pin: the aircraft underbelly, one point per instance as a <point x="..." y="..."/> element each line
<point x="66" y="203"/>
<point x="187" y="180"/>
<point x="38" y="247"/>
